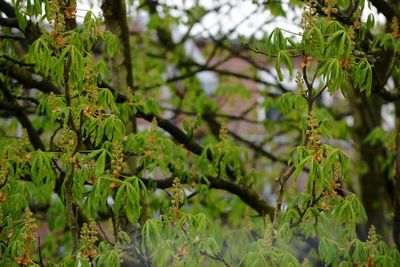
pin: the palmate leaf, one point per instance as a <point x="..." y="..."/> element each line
<point x="106" y="98"/>
<point x="360" y="253"/>
<point x="41" y="169"/>
<point x="328" y="250"/>
<point x="317" y="38"/>
<point x="16" y="203"/>
<point x="339" y="44"/>
<point x="40" y="54"/>
<point x="101" y="163"/>
<point x="108" y="258"/>
<point x="91" y="28"/>
<point x="151" y="233"/>
<point x="200" y="224"/>
<point x="114" y="128"/>
<point x="351" y="211"/>
<point x="275" y="42"/>
<point x="128" y="197"/>
<point x="300" y="167"/>
<point x="333" y="74"/>
<point x="96" y="202"/>
<point x="362" y="76"/>
<point x="335" y="158"/>
<point x="112" y="43"/>
<point x="284" y="56"/>
<point x="291" y="101"/>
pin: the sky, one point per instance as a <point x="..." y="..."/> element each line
<point x="227" y="17"/>
<point x="224" y="20"/>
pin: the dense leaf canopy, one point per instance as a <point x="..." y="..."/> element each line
<point x="181" y="133"/>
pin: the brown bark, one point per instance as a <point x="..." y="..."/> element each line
<point x="122" y="70"/>
<point x="116" y="21"/>
<point x="396" y="184"/>
<point x="372" y="174"/>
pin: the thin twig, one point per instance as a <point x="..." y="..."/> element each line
<point x="40" y="253"/>
<point x="16" y="61"/>
<point x="289" y="170"/>
<point x="216" y="257"/>
<point x="320" y="92"/>
<point x="105" y="237"/>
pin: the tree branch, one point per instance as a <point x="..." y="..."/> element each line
<point x="396" y="183"/>
<point x="9" y="22"/>
<point x="23" y="119"/>
<point x="385" y="8"/>
<point x="7" y="9"/>
<point x="388" y="96"/>
<point x="247" y="195"/>
<point x="29" y="78"/>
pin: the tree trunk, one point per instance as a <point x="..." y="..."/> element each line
<point x="122" y="72"/>
<point x="372" y="172"/>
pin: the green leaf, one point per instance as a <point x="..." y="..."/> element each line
<point x="362" y="76"/>
<point x="333" y="74"/>
<point x="275" y="42"/>
<point x="278" y="68"/>
<point x="287" y="60"/>
<point x="99" y="132"/>
<point x="114" y="128"/>
<point x="93" y="154"/>
<point x="109" y="258"/>
<point x="375" y="136"/>
<point x="151" y="233"/>
<point x="328" y="250"/>
<point x="101" y="163"/>
<point x="22" y="21"/>
<point x="112" y="43"/>
<point x="128" y="197"/>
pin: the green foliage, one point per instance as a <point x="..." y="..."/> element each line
<point x="363" y="76"/>
<point x="163" y="195"/>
